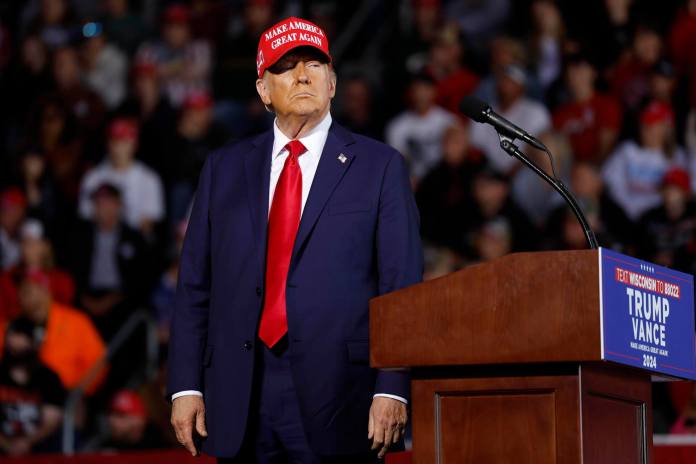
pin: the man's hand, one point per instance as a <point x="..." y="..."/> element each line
<point x="387" y="423"/>
<point x="188" y="411"/>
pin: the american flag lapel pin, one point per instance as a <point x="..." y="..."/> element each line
<point x="342" y="158"/>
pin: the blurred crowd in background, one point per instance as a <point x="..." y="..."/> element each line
<point x="109" y="109"/>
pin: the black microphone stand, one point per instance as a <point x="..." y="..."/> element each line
<point x="512" y="150"/>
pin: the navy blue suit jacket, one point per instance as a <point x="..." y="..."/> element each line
<point x="358" y="238"/>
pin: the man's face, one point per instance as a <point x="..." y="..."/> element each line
<point x="509" y="90"/>
<point x="122" y="151"/>
<point x="455" y="144"/>
<point x="581" y="76"/>
<point x="176" y="34"/>
<point x="299" y="84"/>
<point x="422" y="96"/>
<point x="11" y="217"/>
<point x="107" y="211"/>
<point x="66" y="68"/>
<point x="34" y="299"/>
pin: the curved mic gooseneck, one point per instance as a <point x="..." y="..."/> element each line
<point x="481" y="112"/>
<point x="512" y="150"/>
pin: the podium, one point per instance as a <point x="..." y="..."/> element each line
<point x="537" y="357"/>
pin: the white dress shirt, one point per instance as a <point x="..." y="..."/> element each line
<point x="314" y="142"/>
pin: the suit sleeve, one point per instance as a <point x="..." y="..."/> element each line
<point x="399" y="252"/>
<point x="189" y="327"/>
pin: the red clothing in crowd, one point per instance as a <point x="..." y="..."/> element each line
<point x="454" y="87"/>
<point x="71" y="347"/>
<point x="582" y="123"/>
<point x="630" y="81"/>
<point x="61" y="283"/>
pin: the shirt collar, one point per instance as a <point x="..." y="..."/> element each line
<point x="313" y="140"/>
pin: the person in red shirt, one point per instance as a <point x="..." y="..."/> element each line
<point x="590" y="120"/>
<point x="630" y="78"/>
<point x="453" y="80"/>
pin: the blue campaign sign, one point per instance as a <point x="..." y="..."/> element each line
<point x="647" y="315"/>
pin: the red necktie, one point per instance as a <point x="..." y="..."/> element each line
<point x="282" y="229"/>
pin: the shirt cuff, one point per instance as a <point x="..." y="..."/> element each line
<point x="394" y="397"/>
<point x="186" y="393"/>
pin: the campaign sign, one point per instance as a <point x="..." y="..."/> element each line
<point x="647" y="315"/>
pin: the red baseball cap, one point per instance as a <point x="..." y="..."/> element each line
<point x="198" y="101"/>
<point x="177" y="13"/>
<point x="12" y="196"/>
<point x="123" y="128"/>
<point x="128" y="402"/>
<point x="678" y="177"/>
<point x="657" y="112"/>
<point x="286" y="35"/>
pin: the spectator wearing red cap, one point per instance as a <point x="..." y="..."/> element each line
<point x="634" y="171"/>
<point x="590" y="120"/>
<point x="13" y="205"/>
<point x="128" y="424"/>
<point x="36" y="255"/>
<point x="454" y="81"/>
<point x="668" y="231"/>
<point x="140" y="186"/>
<point x="183" y="63"/>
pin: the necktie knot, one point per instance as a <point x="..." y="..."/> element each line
<point x="295" y="148"/>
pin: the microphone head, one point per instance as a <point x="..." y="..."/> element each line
<point x="474" y="108"/>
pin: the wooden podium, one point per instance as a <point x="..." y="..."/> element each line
<point x="506" y="362"/>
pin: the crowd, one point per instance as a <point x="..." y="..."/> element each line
<point x="109" y="109"/>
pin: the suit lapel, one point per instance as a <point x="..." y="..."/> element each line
<point x="329" y="172"/>
<point x="257" y="169"/>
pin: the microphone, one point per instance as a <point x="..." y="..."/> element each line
<point x="480" y="111"/>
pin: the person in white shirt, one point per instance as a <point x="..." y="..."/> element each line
<point x="634" y="172"/>
<point x="418" y="131"/>
<point x="141" y="187"/>
<point x="513" y="105"/>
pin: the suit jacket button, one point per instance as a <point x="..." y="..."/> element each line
<point x="258" y="291"/>
<point x="248" y="346"/>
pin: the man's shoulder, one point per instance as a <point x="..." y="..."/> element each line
<point x="363" y="144"/>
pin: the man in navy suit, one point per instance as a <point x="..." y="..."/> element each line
<point x="291" y="233"/>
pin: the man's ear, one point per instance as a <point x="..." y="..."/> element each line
<point x="332" y="82"/>
<point x="263" y="91"/>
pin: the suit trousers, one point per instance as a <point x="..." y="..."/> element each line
<point x="275" y="433"/>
